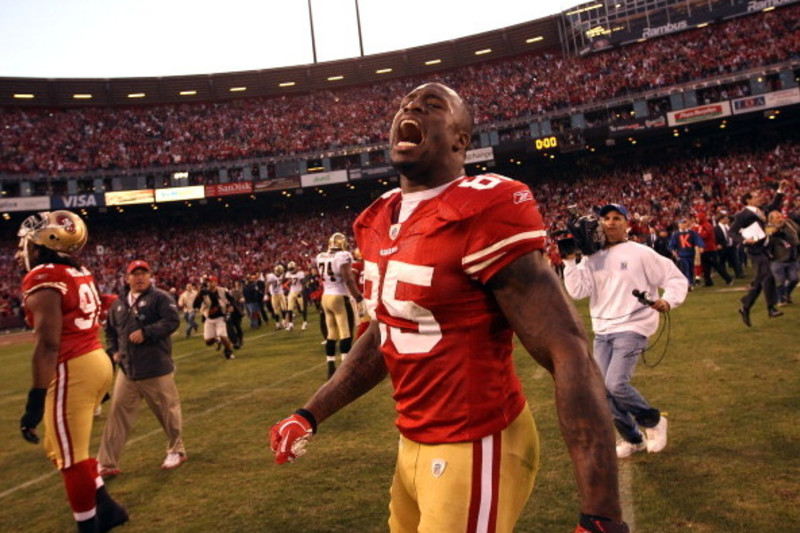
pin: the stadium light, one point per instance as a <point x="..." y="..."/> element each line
<point x="433" y="61"/>
<point x="383" y="71"/>
<point x="483" y="52"/>
<point x="188" y="93"/>
<point x="82" y="96"/>
<point x="335" y="78"/>
<point x="136" y="95"/>
<point x="534" y="39"/>
<point x="237" y="89"/>
<point x="23" y="96"/>
<point x="286" y="84"/>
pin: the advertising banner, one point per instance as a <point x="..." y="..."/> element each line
<point x="29" y="203"/>
<point x="229" y="189"/>
<point x="367" y="173"/>
<point x="277" y="184"/>
<point x="174" y="194"/>
<point x="626" y="127"/>
<point x="140" y="196"/>
<point x="320" y="179"/>
<point x="73" y="201"/>
<point x="479" y="155"/>
<point x="771" y="100"/>
<point x="699" y="113"/>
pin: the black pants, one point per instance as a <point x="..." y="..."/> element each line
<point x="710" y="260"/>
<point x="763" y="280"/>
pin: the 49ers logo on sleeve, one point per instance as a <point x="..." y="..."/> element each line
<point x="66" y="223"/>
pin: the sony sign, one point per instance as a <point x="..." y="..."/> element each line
<point x="670" y="27"/>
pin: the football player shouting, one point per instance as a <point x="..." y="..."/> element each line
<point x="453" y="268"/>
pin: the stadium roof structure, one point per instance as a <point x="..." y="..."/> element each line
<point x="537" y="35"/>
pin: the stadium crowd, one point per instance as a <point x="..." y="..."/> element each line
<point x="657" y="191"/>
<point x="90" y="138"/>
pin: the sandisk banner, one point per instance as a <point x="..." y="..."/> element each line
<point x="229" y="189"/>
<point x="699" y="113"/>
<point x="766" y="101"/>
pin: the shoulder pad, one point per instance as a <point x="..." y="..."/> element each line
<point x="473" y="194"/>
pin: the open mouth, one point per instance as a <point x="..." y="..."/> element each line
<point x="409" y="134"/>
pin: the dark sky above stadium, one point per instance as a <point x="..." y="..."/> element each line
<point x="134" y="38"/>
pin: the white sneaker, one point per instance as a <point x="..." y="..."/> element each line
<point x="305" y="326"/>
<point x="173" y="460"/>
<point x="626" y="449"/>
<point x="657" y="436"/>
<point x="290" y="326"/>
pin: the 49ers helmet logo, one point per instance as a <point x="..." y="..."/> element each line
<point x="66" y="223"/>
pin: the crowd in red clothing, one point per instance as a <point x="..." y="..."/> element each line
<point x="233" y="247"/>
<point x="89" y="138"/>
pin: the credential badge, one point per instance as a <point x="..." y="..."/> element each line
<point x="437" y="467"/>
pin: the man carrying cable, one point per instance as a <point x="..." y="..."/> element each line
<point x="622" y="280"/>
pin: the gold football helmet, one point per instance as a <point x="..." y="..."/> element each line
<point x="61" y="231"/>
<point x="292" y="266"/>
<point x="278" y="270"/>
<point x="337" y="242"/>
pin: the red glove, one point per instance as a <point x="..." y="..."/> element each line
<point x="599" y="524"/>
<point x="288" y="438"/>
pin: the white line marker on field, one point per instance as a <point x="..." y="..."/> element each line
<point x="626" y="494"/>
<point x="159" y="431"/>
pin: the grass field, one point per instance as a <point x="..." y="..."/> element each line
<point x="732" y="463"/>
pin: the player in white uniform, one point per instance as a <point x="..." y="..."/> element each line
<point x="296" y="280"/>
<point x="277" y="297"/>
<point x="339" y="284"/>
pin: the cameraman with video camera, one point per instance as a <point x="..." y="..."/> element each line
<point x="622" y="279"/>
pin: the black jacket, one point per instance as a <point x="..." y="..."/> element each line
<point x="745" y="217"/>
<point x="156" y="315"/>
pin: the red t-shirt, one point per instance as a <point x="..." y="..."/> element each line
<point x="446" y="343"/>
<point x="80" y="306"/>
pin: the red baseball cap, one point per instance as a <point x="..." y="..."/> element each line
<point x="213" y="278"/>
<point x="138" y="264"/>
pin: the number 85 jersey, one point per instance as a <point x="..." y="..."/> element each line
<point x="80" y="306"/>
<point x="445" y="341"/>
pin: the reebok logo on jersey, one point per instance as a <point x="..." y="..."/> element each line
<point x="522" y="196"/>
<point x="437" y="467"/>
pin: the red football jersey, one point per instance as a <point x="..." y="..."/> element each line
<point x="80" y="306"/>
<point x="445" y="340"/>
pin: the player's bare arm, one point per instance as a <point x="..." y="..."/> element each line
<point x="547" y="324"/>
<point x="350" y="281"/>
<point x="45" y="305"/>
<point x="363" y="370"/>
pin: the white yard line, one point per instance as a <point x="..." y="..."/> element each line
<point x="159" y="431"/>
<point x="626" y="494"/>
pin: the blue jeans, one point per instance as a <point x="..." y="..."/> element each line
<point x="786" y="277"/>
<point x="253" y="313"/>
<point x="190" y="323"/>
<point x="617" y="354"/>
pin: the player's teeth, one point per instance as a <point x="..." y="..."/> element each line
<point x="406" y="143"/>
